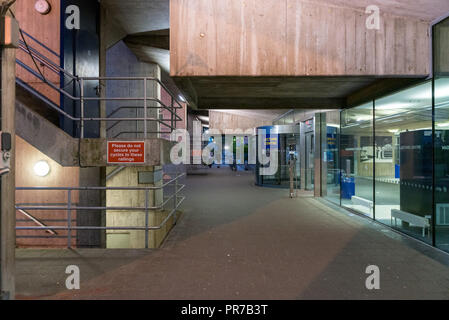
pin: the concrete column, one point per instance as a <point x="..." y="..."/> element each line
<point x="302" y="155"/>
<point x="320" y="147"/>
<point x="102" y="67"/>
<point x="8" y="185"/>
<point x="89" y="177"/>
<point x="149" y="177"/>
<point x="103" y="113"/>
<point x="122" y="62"/>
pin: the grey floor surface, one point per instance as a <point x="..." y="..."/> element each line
<point x="239" y="241"/>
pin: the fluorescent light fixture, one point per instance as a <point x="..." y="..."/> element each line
<point x="444" y="125"/>
<point x="333" y="125"/>
<point x="41" y="168"/>
<point x="364" y="118"/>
<point x="441" y="91"/>
<point x="393" y="130"/>
<point x="181" y="97"/>
<point x="392" y="105"/>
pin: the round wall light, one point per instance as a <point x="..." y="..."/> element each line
<point x="42" y="6"/>
<point x="41" y="168"/>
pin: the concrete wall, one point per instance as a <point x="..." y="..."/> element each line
<point x="116" y="218"/>
<point x="121" y="62"/>
<point x="292" y="38"/>
<point x="45" y="136"/>
<point x="59" y="176"/>
<point x="166" y="114"/>
<point x="228" y="121"/>
<point x="46" y="29"/>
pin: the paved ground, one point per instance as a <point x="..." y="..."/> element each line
<point x="238" y="241"/>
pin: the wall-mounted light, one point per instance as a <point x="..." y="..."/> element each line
<point x="41" y="168"/>
<point x="42" y="6"/>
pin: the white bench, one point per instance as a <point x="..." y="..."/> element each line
<point x="363" y="202"/>
<point x="411" y="219"/>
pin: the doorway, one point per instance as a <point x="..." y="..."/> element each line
<point x="310" y="161"/>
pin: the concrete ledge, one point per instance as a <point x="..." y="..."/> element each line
<point x="46" y="137"/>
<point x="94" y="152"/>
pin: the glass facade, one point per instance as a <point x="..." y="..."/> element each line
<point x="285" y="139"/>
<point x="441" y="134"/>
<point x="403" y="177"/>
<point x="331" y="161"/>
<point x="357" y="155"/>
<point x="391" y="158"/>
<point x="388" y="159"/>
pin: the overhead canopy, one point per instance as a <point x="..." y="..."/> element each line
<point x="400" y="52"/>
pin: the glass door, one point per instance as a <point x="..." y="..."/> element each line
<point x="310" y="163"/>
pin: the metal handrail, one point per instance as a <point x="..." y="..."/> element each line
<point x="69" y="207"/>
<point x="36" y="221"/>
<point x="40" y="43"/>
<point x="82" y="99"/>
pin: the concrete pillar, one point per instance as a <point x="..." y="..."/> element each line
<point x="153" y="90"/>
<point x="8" y="186"/>
<point x="89" y="177"/>
<point x="103" y="114"/>
<point x="102" y="67"/>
<point x="302" y="155"/>
<point x="121" y="62"/>
<point x="135" y="177"/>
<point x="320" y="147"/>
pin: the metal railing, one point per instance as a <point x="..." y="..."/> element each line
<point x="72" y="206"/>
<point x="148" y="100"/>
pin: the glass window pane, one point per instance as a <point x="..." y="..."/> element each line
<point x="403" y="155"/>
<point x="357" y="159"/>
<point x="442" y="163"/>
<point x="331" y="164"/>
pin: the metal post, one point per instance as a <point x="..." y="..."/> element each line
<point x="69" y="218"/>
<point x="146" y="218"/>
<point x="82" y="107"/>
<point x="176" y="198"/>
<point x="145" y="108"/>
<point x="7" y="182"/>
<point x="173" y="110"/>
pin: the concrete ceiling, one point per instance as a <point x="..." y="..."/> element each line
<point x="152" y="46"/>
<point x="284" y="92"/>
<point x="147" y="21"/>
<point x="137" y="16"/>
<point x="264" y="114"/>
<point x="428" y="10"/>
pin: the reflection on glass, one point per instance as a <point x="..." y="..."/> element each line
<point x="441" y="73"/>
<point x="357" y="155"/>
<point x="288" y="148"/>
<point x="403" y="160"/>
<point x="442" y="163"/>
<point x="331" y="171"/>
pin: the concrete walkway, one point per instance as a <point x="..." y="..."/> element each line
<point x="239" y="241"/>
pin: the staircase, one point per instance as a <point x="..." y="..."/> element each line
<point x="40" y="118"/>
<point x="132" y="110"/>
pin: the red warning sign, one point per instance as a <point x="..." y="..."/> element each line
<point x="126" y="152"/>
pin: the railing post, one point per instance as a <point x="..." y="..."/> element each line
<point x="173" y="110"/>
<point x="146" y="217"/>
<point x="175" y="197"/>
<point x="69" y="218"/>
<point x="82" y="107"/>
<point x="145" y="107"/>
